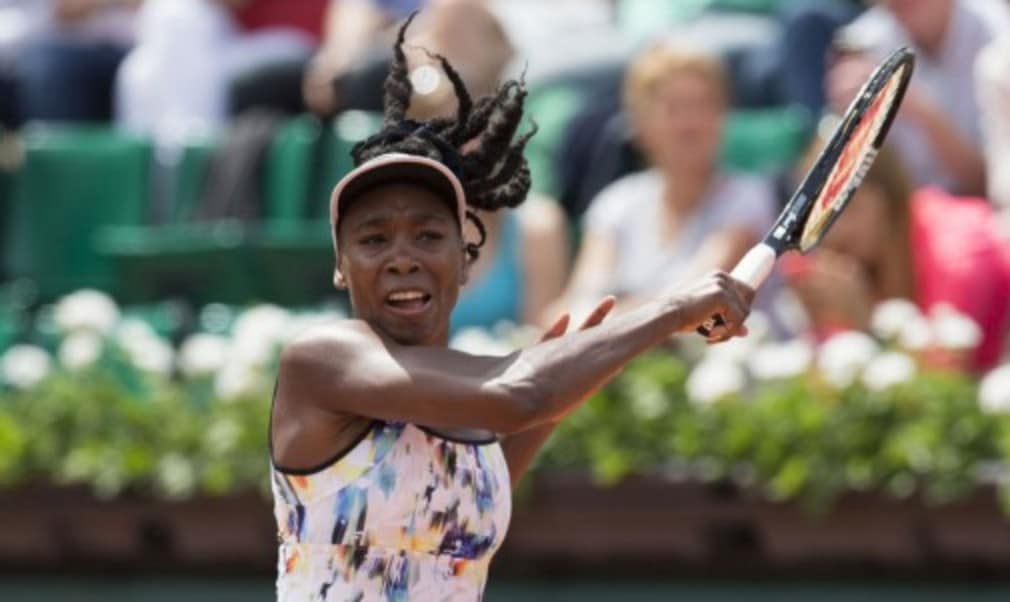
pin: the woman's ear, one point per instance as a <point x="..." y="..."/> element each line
<point x="338" y="280"/>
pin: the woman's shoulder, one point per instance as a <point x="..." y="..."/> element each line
<point x="331" y="340"/>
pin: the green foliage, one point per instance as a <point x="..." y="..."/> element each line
<point x="794" y="439"/>
<point x="120" y="430"/>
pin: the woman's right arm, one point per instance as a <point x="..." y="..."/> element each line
<point x="348" y="369"/>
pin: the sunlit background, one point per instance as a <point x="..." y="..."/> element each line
<point x="165" y="168"/>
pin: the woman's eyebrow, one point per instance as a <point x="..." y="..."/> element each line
<point x="372" y="222"/>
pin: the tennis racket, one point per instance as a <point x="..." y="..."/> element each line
<point x="829" y="184"/>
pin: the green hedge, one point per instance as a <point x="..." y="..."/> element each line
<point x="122" y="430"/>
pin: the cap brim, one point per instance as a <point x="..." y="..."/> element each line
<point x="398" y="167"/>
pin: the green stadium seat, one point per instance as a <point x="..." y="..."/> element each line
<point x="74" y="180"/>
<point x="217" y="261"/>
<point x="765" y="140"/>
<point x="552" y="107"/>
<point x="293" y="259"/>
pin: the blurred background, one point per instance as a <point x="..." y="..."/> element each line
<point x="165" y="168"/>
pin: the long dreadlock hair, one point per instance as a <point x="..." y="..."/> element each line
<point x="493" y="170"/>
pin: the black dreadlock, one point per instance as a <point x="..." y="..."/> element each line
<point x="493" y="171"/>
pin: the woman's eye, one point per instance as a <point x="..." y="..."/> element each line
<point x="431" y="235"/>
<point x="374" y="239"/>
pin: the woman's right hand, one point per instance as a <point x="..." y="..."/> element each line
<point x="718" y="293"/>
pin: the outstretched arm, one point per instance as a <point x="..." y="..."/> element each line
<point x="349" y="369"/>
<point x="520" y="448"/>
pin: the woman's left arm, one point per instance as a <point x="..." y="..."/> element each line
<point x="520" y="448"/>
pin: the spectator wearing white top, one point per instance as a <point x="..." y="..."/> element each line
<point x="937" y="134"/>
<point x="684" y="215"/>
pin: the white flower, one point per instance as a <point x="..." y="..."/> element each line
<point x="953" y="329"/>
<point x="80" y="350"/>
<point x="714" y="378"/>
<point x="772" y="361"/>
<point x="478" y="341"/>
<point x="134" y="331"/>
<point x="844" y="355"/>
<point x="890" y="317"/>
<point x="258" y="332"/>
<point x="153" y="355"/>
<point x="24" y="366"/>
<point x="86" y="310"/>
<point x="916" y="334"/>
<point x="888" y="369"/>
<point x="176" y="475"/>
<point x="237" y="379"/>
<point x="994" y="391"/>
<point x="203" y="354"/>
<point x="144" y="347"/>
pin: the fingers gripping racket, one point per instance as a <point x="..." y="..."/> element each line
<point x="829" y="184"/>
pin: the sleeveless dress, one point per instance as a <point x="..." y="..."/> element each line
<point x="403" y="515"/>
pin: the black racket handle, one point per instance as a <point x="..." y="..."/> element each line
<point x="710" y="325"/>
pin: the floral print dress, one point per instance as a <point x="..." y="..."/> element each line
<point x="404" y="515"/>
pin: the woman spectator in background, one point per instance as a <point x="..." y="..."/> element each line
<point x="894" y="242"/>
<point x="684" y="215"/>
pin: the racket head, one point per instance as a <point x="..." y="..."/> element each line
<point x="829" y="184"/>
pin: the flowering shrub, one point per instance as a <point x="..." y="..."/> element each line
<point x="109" y="403"/>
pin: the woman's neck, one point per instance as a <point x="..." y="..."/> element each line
<point x="684" y="191"/>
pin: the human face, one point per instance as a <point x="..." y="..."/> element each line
<point x="680" y="127"/>
<point x="401" y="256"/>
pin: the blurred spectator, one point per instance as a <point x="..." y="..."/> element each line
<point x="992" y="73"/>
<point x="523" y="264"/>
<point x="683" y="215"/>
<point x="896" y="242"/>
<point x="937" y="134"/>
<point x="776" y="54"/>
<point x="352" y="59"/>
<point x="58" y="58"/>
<point x="791" y="69"/>
<point x="549" y="38"/>
<point x="191" y="53"/>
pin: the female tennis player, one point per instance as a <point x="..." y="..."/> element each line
<point x="392" y="455"/>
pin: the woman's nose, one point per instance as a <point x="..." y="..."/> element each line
<point x="402" y="263"/>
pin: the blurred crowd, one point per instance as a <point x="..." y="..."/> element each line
<point x="643" y="199"/>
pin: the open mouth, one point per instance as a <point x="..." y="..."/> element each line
<point x="408" y="302"/>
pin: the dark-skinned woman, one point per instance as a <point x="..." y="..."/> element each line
<point x="393" y="456"/>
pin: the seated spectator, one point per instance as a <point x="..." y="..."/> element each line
<point x="684" y="215"/>
<point x="893" y="241"/>
<point x="522" y="266"/>
<point x="58" y="58"/>
<point x="191" y="53"/>
<point x="348" y="69"/>
<point x="937" y="134"/>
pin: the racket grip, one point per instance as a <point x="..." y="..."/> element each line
<point x="752" y="270"/>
